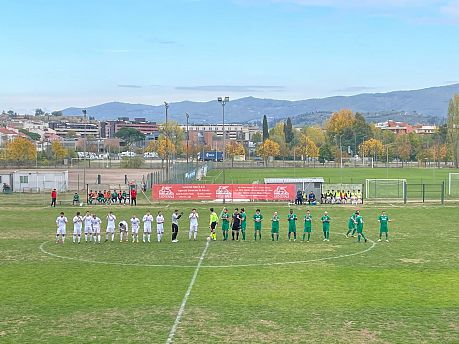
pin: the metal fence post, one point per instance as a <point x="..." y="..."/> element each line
<point x="405" y="196"/>
<point x="443" y="192"/>
<point x="423" y="193"/>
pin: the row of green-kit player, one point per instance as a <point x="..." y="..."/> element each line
<point x="355" y="225"/>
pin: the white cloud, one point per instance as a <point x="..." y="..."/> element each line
<point x="451" y="10"/>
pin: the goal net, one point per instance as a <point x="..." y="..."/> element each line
<point x="385" y="188"/>
<point x="453" y="184"/>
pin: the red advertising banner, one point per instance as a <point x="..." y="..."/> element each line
<point x="202" y="192"/>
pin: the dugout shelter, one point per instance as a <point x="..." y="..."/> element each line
<point x="306" y="185"/>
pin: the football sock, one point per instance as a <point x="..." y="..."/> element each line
<point x="214" y="236"/>
<point x="309" y="236"/>
<point x="387" y="236"/>
<point x="243" y="235"/>
<point x="148" y="237"/>
<point x="195" y="235"/>
<point x="232" y="235"/>
<point x="237" y="235"/>
<point x="79" y="238"/>
<point x="277" y="237"/>
<point x="73" y="238"/>
<point x="98" y="237"/>
<point x="294" y="235"/>
<point x="255" y="236"/>
<point x="358" y="237"/>
<point x="272" y="237"/>
<point x="113" y="236"/>
<point x="63" y="238"/>
<point x="304" y="236"/>
<point x="348" y="232"/>
<point x="121" y="236"/>
<point x="328" y="235"/>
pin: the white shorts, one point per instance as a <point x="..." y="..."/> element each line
<point x="147" y="230"/>
<point x="60" y="231"/>
<point x="96" y="230"/>
<point x="193" y="228"/>
<point x="77" y="231"/>
<point x="87" y="230"/>
<point x="135" y="230"/>
<point x="110" y="229"/>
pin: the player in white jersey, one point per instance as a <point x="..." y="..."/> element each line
<point x="147" y="220"/>
<point x="77" y="224"/>
<point x="123" y="226"/>
<point x="135" y="224"/>
<point x="61" y="223"/>
<point x="96" y="223"/>
<point x="87" y="221"/>
<point x="160" y="225"/>
<point x="111" y="218"/>
<point x="194" y="217"/>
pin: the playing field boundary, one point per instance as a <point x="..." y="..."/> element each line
<point x="371" y="247"/>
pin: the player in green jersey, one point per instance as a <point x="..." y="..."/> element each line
<point x="243" y="216"/>
<point x="257" y="218"/>
<point x="291" y="218"/>
<point x="351" y="226"/>
<point x="325" y="219"/>
<point x="225" y="223"/>
<point x="307" y="225"/>
<point x="383" y="220"/>
<point x="275" y="226"/>
<point x="359" y="221"/>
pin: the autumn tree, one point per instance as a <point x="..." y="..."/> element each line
<point x="164" y="148"/>
<point x="175" y="133"/>
<point x="267" y="149"/>
<point x="277" y="135"/>
<point x="403" y="149"/>
<point x="338" y="121"/>
<point x="372" y="147"/>
<point x="306" y="148"/>
<point x="58" y="150"/>
<point x="315" y="133"/>
<point x="20" y="150"/>
<point x="453" y="128"/>
<point x="234" y="148"/>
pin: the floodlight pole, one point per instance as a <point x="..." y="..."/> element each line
<point x="187" y="140"/>
<point x="84" y="149"/>
<point x="223" y="101"/>
<point x="166" y="107"/>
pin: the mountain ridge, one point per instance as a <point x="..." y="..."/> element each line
<point x="431" y="102"/>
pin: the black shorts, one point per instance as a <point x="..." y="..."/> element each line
<point x="213" y="225"/>
<point x="174" y="227"/>
<point x="236" y="228"/>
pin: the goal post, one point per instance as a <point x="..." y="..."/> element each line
<point x="385" y="189"/>
<point x="453" y="184"/>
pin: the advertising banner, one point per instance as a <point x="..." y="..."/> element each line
<point x="203" y="192"/>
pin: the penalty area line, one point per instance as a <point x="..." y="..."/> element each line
<point x="178" y="319"/>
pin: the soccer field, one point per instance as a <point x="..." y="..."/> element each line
<point x="341" y="291"/>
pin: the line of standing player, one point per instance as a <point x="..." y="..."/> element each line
<point x="90" y="225"/>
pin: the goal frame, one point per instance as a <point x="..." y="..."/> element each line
<point x="368" y="181"/>
<point x="449" y="181"/>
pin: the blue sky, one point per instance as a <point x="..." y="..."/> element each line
<point x="57" y="54"/>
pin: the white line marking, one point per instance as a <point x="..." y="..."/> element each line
<point x="185" y="298"/>
<point x="373" y="244"/>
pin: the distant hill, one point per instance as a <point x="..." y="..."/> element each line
<point x="429" y="103"/>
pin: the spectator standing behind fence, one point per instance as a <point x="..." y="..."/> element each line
<point x="53" y="198"/>
<point x="133" y="197"/>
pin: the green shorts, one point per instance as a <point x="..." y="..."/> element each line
<point x="307" y="230"/>
<point x="275" y="230"/>
<point x="383" y="230"/>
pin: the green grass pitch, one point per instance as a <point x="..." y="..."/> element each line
<point x="405" y="291"/>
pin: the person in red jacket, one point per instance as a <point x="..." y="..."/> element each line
<point x="133" y="197"/>
<point x="53" y="198"/>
